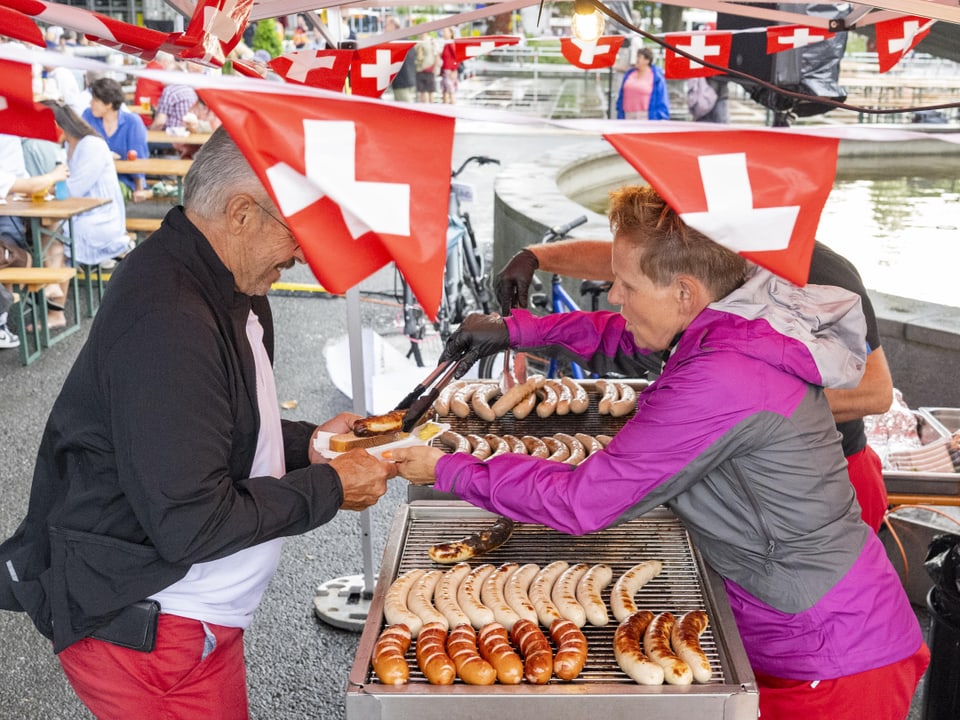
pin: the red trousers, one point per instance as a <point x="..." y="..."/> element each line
<point x="866" y="476"/>
<point x="881" y="694"/>
<point x="188" y="675"/>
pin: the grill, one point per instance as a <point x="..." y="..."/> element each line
<point x="684" y="584"/>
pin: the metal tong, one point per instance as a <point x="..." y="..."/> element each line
<point x="417" y="403"/>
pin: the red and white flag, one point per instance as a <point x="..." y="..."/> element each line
<point x="214" y="30"/>
<point x="250" y="68"/>
<point x="600" y="53"/>
<point x="712" y="47"/>
<point x="791" y="37"/>
<point x="353" y="183"/>
<point x="19" y="114"/>
<point x="373" y="68"/>
<point x="471" y="47"/>
<point x="19" y="27"/>
<point x="757" y="193"/>
<point x="897" y="37"/>
<point x="326" y="69"/>
<point x="127" y="38"/>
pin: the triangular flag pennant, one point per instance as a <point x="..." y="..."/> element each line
<point x="713" y="47"/>
<point x="374" y="68"/>
<point x="791" y="37"/>
<point x="757" y="193"/>
<point x="214" y="30"/>
<point x="127" y="38"/>
<point x="897" y="37"/>
<point x="19" y="27"/>
<point x="354" y="197"/>
<point x="471" y="47"/>
<point x="326" y="69"/>
<point x="600" y="53"/>
<point x="19" y="114"/>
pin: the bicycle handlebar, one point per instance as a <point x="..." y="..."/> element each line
<point x="558" y="232"/>
<point x="479" y="159"/>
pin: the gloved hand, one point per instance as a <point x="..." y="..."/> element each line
<point x="512" y="284"/>
<point x="477" y="336"/>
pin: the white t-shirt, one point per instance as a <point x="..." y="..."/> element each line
<point x="227" y="591"/>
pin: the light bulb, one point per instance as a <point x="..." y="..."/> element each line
<point x="588" y="22"/>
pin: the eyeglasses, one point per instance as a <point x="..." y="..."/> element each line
<point x="276" y="219"/>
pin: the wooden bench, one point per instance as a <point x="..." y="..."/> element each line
<point x="142" y="226"/>
<point x="29" y="284"/>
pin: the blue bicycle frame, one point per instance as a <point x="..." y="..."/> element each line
<point x="561" y="302"/>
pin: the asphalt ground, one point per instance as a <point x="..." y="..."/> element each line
<point x="297" y="665"/>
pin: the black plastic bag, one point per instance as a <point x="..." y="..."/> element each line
<point x="943" y="567"/>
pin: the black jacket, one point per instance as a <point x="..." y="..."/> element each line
<point x="143" y="466"/>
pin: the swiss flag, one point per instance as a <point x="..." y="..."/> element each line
<point x="215" y="29"/>
<point x="791" y="37"/>
<point x="713" y="47"/>
<point x="19" y="114"/>
<point x="374" y="68"/>
<point x="250" y="68"/>
<point x="471" y="47"/>
<point x="601" y="53"/>
<point x="20" y="27"/>
<point x="758" y="193"/>
<point x="897" y="37"/>
<point x="125" y="37"/>
<point x="354" y="197"/>
<point x="325" y="69"/>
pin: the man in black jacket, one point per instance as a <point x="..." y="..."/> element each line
<point x="166" y="480"/>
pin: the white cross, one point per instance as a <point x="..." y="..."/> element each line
<point x="799" y="37"/>
<point x="699" y="46"/>
<point x="3" y="103"/>
<point x="221" y="22"/>
<point x="902" y="44"/>
<point x="481" y="48"/>
<point x="330" y="148"/>
<point x="302" y="63"/>
<point x="381" y="69"/>
<point x="590" y="50"/>
<point x="731" y="219"/>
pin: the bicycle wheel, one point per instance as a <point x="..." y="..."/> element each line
<point x="491" y="366"/>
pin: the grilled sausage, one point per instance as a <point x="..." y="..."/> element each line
<point x="388" y="659"/>
<point x="419" y="599"/>
<point x="475" y="544"/>
<point x="516" y="444"/>
<point x="492" y="595"/>
<point x="525" y="406"/>
<point x="580" y="400"/>
<point x="432" y="658"/>
<point x="395" y="608"/>
<point x="460" y="400"/>
<point x="564" y="594"/>
<point x="627" y="585"/>
<point x="512" y="397"/>
<point x="468" y="595"/>
<point x="578" y="453"/>
<point x="379" y="424"/>
<point x="656" y="645"/>
<point x="494" y="644"/>
<point x="442" y="404"/>
<point x="481" y="448"/>
<point x="589" y="593"/>
<point x="564" y="396"/>
<point x="571" y="646"/>
<point x="535" y="447"/>
<point x="626" y="403"/>
<point x="540" y="588"/>
<point x="498" y="445"/>
<point x="604" y="440"/>
<point x="535" y="648"/>
<point x="445" y="595"/>
<point x="480" y="401"/>
<point x="515" y="592"/>
<point x="455" y="441"/>
<point x="686" y="644"/>
<point x="629" y="653"/>
<point x="548" y="400"/>
<point x="558" y="451"/>
<point x="608" y="394"/>
<point x="590" y="443"/>
<point x="462" y="649"/>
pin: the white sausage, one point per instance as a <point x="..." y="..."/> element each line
<point x="629" y="653"/>
<point x="656" y="644"/>
<point x="515" y="592"/>
<point x="558" y="451"/>
<point x="564" y="396"/>
<point x="580" y="400"/>
<point x="627" y="585"/>
<point x="480" y="401"/>
<point x="492" y="595"/>
<point x="590" y="443"/>
<point x="442" y="403"/>
<point x="445" y="596"/>
<point x="578" y="453"/>
<point x="420" y="602"/>
<point x="395" y="608"/>
<point x="460" y="400"/>
<point x="548" y="404"/>
<point x="626" y="403"/>
<point x="608" y="393"/>
<point x="589" y="593"/>
<point x="468" y="595"/>
<point x="564" y="594"/>
<point x="512" y="397"/>
<point x="685" y="639"/>
<point x="481" y="448"/>
<point x="535" y="446"/>
<point x="540" y="589"/>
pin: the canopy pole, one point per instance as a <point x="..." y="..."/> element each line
<point x="344" y="602"/>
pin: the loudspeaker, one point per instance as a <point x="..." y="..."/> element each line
<point x="813" y="70"/>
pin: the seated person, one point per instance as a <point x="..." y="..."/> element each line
<point x="123" y="131"/>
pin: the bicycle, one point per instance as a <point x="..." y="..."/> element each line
<point x="466" y="286"/>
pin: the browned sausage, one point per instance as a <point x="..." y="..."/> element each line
<point x="388" y="659"/>
<point x="571" y="646"/>
<point x="535" y="648"/>
<point x="432" y="656"/>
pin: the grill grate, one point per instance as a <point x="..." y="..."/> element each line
<point x="677" y="589"/>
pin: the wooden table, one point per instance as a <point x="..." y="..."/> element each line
<point x="156" y="167"/>
<point x="160" y="137"/>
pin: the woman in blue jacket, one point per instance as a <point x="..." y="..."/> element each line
<point x="643" y="91"/>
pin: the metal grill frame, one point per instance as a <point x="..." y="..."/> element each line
<point x="603" y="686"/>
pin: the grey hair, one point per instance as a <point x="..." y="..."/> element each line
<point x="219" y="171"/>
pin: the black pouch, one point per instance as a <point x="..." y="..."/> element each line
<point x="134" y="628"/>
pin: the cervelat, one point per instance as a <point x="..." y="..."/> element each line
<point x="535" y="648"/>
<point x="686" y="644"/>
<point x="571" y="646"/>
<point x="388" y="659"/>
<point x="656" y="644"/>
<point x="629" y="654"/>
<point x="494" y="644"/>
<point x="462" y="649"/>
<point x="432" y="657"/>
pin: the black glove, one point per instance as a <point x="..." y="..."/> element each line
<point x="477" y="336"/>
<point x="512" y="284"/>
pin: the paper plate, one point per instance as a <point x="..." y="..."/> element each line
<point x="322" y="442"/>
